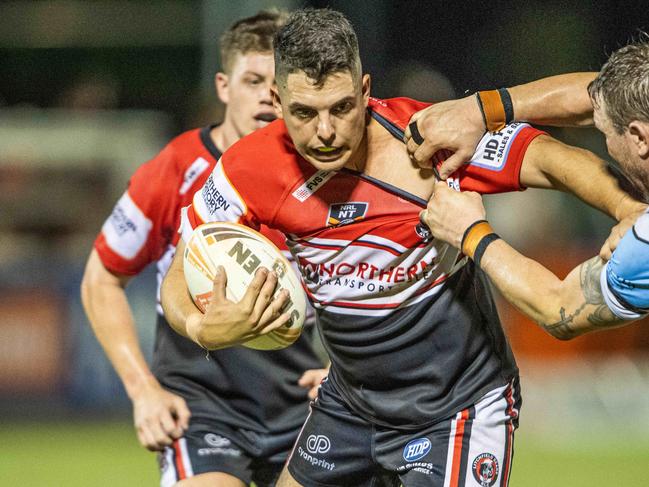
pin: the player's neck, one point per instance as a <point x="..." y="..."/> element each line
<point x="641" y="183"/>
<point x="224" y="135"/>
<point x="386" y="160"/>
<point x="358" y="161"/>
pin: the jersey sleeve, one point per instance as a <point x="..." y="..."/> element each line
<point x="142" y="221"/>
<point x="625" y="279"/>
<point x="248" y="183"/>
<point x="496" y="165"/>
<point x="217" y="201"/>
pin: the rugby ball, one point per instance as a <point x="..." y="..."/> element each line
<point x="241" y="251"/>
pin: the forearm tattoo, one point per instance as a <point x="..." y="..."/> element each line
<point x="600" y="317"/>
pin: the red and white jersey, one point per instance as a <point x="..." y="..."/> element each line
<point x="357" y="241"/>
<point x="233" y="387"/>
<point x="411" y="330"/>
<point x="143" y="226"/>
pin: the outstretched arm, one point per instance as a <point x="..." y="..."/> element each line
<point x="564" y="308"/>
<point x="551" y="164"/>
<point x="561" y="101"/>
<point x="458" y="125"/>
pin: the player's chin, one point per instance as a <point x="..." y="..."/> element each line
<point x="328" y="161"/>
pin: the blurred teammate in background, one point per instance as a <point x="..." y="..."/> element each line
<point x="423" y="386"/>
<point x="596" y="294"/>
<point x="230" y="418"/>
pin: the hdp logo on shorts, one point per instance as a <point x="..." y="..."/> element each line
<point x="318" y="444"/>
<point x="485" y="469"/>
<point x="344" y="213"/>
<point x="416" y="449"/>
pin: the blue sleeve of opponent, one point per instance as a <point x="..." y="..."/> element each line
<point x="627" y="273"/>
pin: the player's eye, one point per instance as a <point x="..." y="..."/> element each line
<point x="303" y="113"/>
<point x="253" y="81"/>
<point x="342" y="108"/>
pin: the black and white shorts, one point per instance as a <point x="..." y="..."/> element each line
<point x="473" y="448"/>
<point x="205" y="449"/>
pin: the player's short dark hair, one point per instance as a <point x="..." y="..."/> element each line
<point x="623" y="85"/>
<point x="250" y="34"/>
<point x="319" y="42"/>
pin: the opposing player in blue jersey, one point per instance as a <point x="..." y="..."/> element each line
<point x="597" y="294"/>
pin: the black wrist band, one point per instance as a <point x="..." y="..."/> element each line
<point x="484" y="117"/>
<point x="414" y="133"/>
<point x="482" y="246"/>
<point x="506" y="98"/>
<point x="468" y="229"/>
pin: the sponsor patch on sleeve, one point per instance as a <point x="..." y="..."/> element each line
<point x="127" y="228"/>
<point x="494" y="148"/>
<point x="192" y="173"/>
<point x="218" y="200"/>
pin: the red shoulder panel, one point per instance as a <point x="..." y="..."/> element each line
<point x="397" y="110"/>
<point x="145" y="219"/>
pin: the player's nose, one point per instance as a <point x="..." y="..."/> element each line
<point x="326" y="131"/>
<point x="265" y="94"/>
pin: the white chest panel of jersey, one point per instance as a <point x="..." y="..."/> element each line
<point x="372" y="275"/>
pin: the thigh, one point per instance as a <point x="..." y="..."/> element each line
<point x="202" y="451"/>
<point x="287" y="480"/>
<point x="333" y="448"/>
<point x="474" y="448"/>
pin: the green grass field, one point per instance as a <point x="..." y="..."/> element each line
<point x="92" y="454"/>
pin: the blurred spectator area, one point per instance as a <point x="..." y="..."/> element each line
<point x="61" y="170"/>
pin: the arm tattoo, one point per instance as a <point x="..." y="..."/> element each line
<point x="562" y="328"/>
<point x="601" y="317"/>
<point x="590" y="285"/>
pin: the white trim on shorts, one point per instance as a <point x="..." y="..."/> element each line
<point x="490" y="426"/>
<point x="177" y="462"/>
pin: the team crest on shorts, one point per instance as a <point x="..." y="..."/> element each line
<point x="344" y="213"/>
<point x="485" y="469"/>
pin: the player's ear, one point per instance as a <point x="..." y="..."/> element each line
<point x="222" y="87"/>
<point x="277" y="101"/>
<point x="365" y="88"/>
<point x="639" y="133"/>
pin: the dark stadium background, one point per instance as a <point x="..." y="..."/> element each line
<point x="90" y="89"/>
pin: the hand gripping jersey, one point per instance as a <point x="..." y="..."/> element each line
<point x="625" y="279"/>
<point x="411" y="330"/>
<point x="239" y="387"/>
